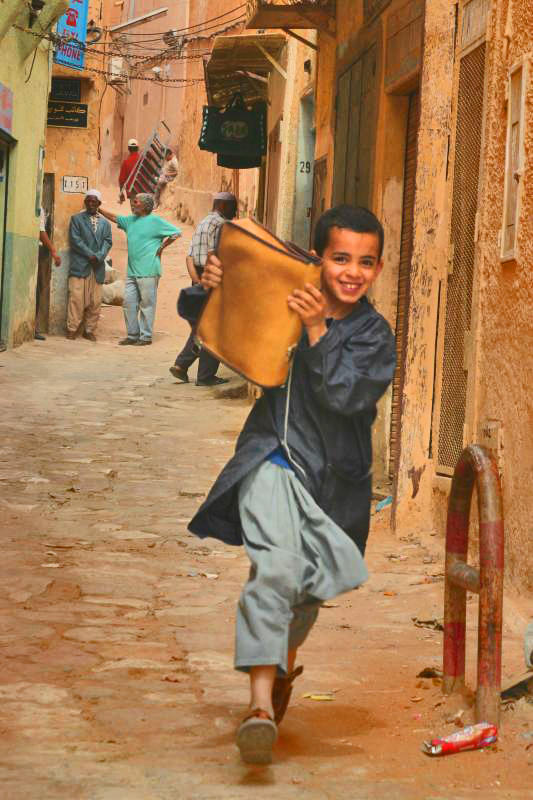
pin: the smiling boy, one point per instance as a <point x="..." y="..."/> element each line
<point x="297" y="491"/>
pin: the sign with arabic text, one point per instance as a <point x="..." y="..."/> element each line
<point x="66" y="115"/>
<point x="72" y="28"/>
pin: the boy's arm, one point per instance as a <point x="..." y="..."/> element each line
<point x="310" y="305"/>
<point x="212" y="274"/>
<point x="347" y="376"/>
<point x="350" y="376"/>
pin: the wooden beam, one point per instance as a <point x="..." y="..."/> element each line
<point x="302" y="39"/>
<point x="272" y="60"/>
<point x="321" y="23"/>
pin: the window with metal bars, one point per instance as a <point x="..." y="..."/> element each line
<point x="458" y="309"/>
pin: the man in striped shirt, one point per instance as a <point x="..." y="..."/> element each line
<point x="204" y="240"/>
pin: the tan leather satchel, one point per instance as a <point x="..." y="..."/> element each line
<point x="246" y="322"/>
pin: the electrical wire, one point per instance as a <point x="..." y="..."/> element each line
<point x="193" y="35"/>
<point x="189" y="27"/>
<point x="138" y="59"/>
<point x="171" y="83"/>
<point x="166" y="54"/>
<point x="205" y="33"/>
<point x="55" y="40"/>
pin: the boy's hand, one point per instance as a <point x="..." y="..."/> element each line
<point x="212" y="274"/>
<point x="310" y="305"/>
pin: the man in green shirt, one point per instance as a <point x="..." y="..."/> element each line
<point x="147" y="236"/>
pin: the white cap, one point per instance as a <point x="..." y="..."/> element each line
<point x="133" y="143"/>
<point x="94" y="193"/>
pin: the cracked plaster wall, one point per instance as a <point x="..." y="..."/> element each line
<point x="500" y="368"/>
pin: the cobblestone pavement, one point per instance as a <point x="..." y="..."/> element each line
<point x="116" y="625"/>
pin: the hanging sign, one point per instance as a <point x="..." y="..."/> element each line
<point x="72" y="28"/>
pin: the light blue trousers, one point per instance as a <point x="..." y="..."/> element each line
<point x="299" y="558"/>
<point x="140" y="298"/>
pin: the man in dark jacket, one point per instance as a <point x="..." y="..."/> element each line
<point x="297" y="491"/>
<point x="90" y="242"/>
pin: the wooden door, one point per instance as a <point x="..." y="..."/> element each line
<point x="320" y="171"/>
<point x="45" y="259"/>
<point x="356" y="108"/>
<point x="273" y="167"/>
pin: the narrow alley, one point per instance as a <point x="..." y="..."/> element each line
<point x="116" y="675"/>
<point x="353" y="185"/>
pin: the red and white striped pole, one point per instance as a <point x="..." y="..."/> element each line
<point x="475" y="467"/>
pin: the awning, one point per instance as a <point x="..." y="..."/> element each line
<point x="242" y="64"/>
<point x="314" y="14"/>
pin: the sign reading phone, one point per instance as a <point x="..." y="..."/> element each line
<point x="72" y="28"/>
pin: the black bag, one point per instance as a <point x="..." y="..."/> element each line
<point x="235" y="130"/>
<point x="191" y="300"/>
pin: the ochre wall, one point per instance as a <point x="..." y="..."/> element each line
<point x="428" y="266"/>
<point x="505" y="306"/>
<point x="334" y="57"/>
<point x="73" y="151"/>
<point x="500" y="371"/>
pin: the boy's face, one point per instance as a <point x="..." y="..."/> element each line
<point x="350" y="265"/>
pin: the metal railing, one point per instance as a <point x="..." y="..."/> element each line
<point x="476" y="467"/>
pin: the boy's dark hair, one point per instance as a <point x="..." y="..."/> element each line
<point x="353" y="218"/>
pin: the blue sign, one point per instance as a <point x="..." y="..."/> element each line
<point x="72" y="28"/>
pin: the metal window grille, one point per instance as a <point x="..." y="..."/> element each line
<point x="404" y="278"/>
<point x="461" y="277"/>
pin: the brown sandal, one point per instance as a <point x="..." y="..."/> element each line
<point x="256" y="737"/>
<point x="281" y="693"/>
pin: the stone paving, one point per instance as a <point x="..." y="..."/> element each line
<point x="116" y="624"/>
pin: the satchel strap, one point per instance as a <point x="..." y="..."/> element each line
<point x="237" y="101"/>
<point x="275" y="243"/>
